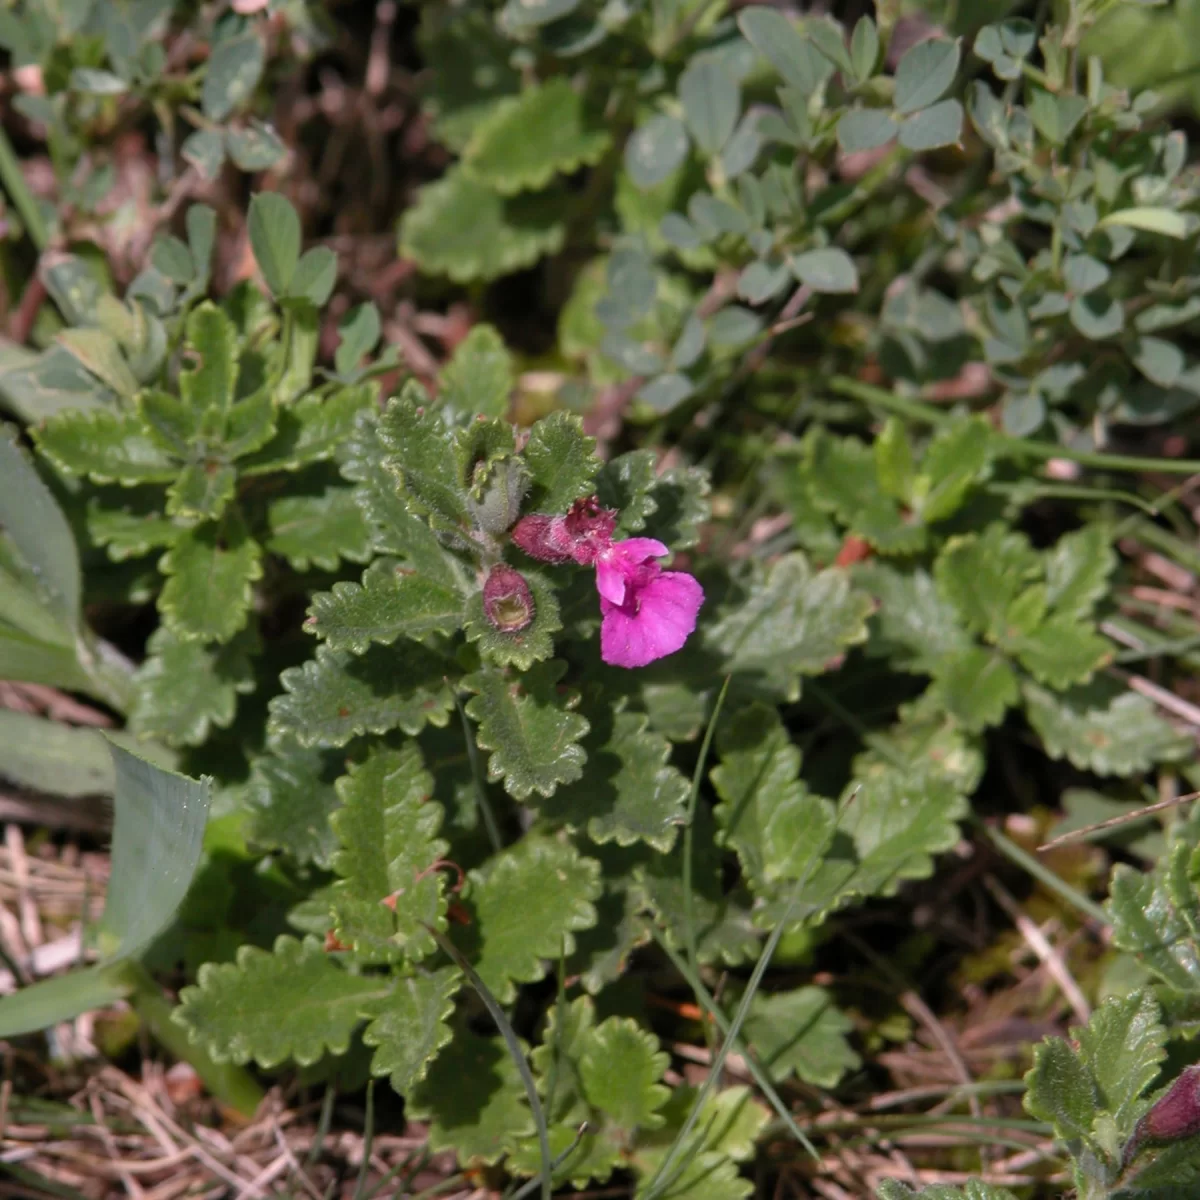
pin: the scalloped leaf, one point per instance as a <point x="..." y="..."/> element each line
<point x="624" y="483"/>
<point x="473" y="1099"/>
<point x="801" y="1033"/>
<point x="1148" y="924"/>
<point x="422" y="454"/>
<point x="409" y="1028"/>
<point x="562" y="463"/>
<point x="629" y="792"/>
<point x="106" y="446"/>
<point x="462" y="228"/>
<point x="620" y="1066"/>
<point x="681" y="506"/>
<point x="318" y="529"/>
<point x="1061" y="1090"/>
<point x="973" y="1189"/>
<point x="290" y="797"/>
<point x="292" y="1002"/>
<point x="792" y="622"/>
<point x="602" y="952"/>
<point x="983" y="574"/>
<point x="387" y="833"/>
<point x="1123" y="1045"/>
<point x="478" y="379"/>
<point x="531" y="732"/>
<point x="185" y="688"/>
<point x="310" y="430"/>
<point x="551" y="879"/>
<point x="1078" y="567"/>
<point x="337" y="696"/>
<point x="129" y="525"/>
<point x="913" y="627"/>
<point x="1061" y="652"/>
<point x="519" y="648"/>
<point x="390" y="603"/>
<point x="545" y="130"/>
<point x="1100" y="728"/>
<point x="210" y="571"/>
<point x="977" y="686"/>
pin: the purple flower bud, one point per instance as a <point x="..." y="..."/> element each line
<point x="543" y="538"/>
<point x="1177" y="1114"/>
<point x="507" y="602"/>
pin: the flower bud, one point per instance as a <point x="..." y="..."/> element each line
<point x="543" y="538"/>
<point x="507" y="602"/>
<point x="1176" y="1114"/>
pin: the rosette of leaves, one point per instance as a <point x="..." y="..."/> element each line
<point x="210" y="458"/>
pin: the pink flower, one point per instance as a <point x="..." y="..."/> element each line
<point x="647" y="612"/>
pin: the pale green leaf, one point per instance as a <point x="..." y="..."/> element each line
<point x="982" y="574"/>
<point x="1123" y="1045"/>
<point x="233" y="72"/>
<point x="274" y="230"/>
<point x="312" y="429"/>
<point x="562" y="462"/>
<point x="655" y="150"/>
<point x="478" y="379"/>
<point x="862" y="129"/>
<point x="411" y="1026"/>
<point x="829" y="270"/>
<point x="99" y="353"/>
<point x="934" y="127"/>
<point x="318" y="529"/>
<point x="775" y="36"/>
<point x="711" y="103"/>
<point x="620" y="1066"/>
<point x="108" y="447"/>
<point x="801" y="1033"/>
<point x="48" y="756"/>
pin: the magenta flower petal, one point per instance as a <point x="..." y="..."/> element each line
<point x="610" y="580"/>
<point x="655" y="620"/>
<point x="622" y="563"/>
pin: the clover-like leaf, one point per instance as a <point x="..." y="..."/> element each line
<point x="422" y="453"/>
<point x="233" y="72"/>
<point x="620" y="1066"/>
<point x="290" y="796"/>
<point x="318" y="529"/>
<point x="462" y="228"/>
<point x="389" y="850"/>
<point x="1098" y="727"/>
<point x="473" y="1099"/>
<point x="291" y="1002"/>
<point x="629" y="792"/>
<point x="210" y="573"/>
<point x="549" y="878"/>
<point x="1123" y="1045"/>
<point x="274" y="229"/>
<point x="793" y="622"/>
<point x="409" y="1027"/>
<point x="802" y="1033"/>
<point x="106" y="446"/>
<point x="184" y="688"/>
<point x="711" y="102"/>
<point x="391" y="602"/>
<point x="337" y="695"/>
<point x="925" y="73"/>
<point x="531" y="732"/>
<point x="478" y="379"/>
<point x="562" y="462"/>
<point x="543" y="131"/>
<point x="311" y="430"/>
<point x="519" y="648"/>
<point x="829" y="270"/>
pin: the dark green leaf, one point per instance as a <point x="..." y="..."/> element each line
<point x="233" y="72"/>
<point x="776" y="37"/>
<point x="106" y="446"/>
<point x="289" y="799"/>
<point x="801" y="1033"/>
<point x="1061" y="1090"/>
<point x="318" y="529"/>
<point x="934" y="127"/>
<point x="711" y="103"/>
<point x="411" y="1026"/>
<point x="924" y="74"/>
<point x="274" y="231"/>
<point x="830" y="270"/>
<point x="562" y="462"/>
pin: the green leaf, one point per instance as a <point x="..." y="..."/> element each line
<point x="1082" y="273"/>
<point x="421" y="452"/>
<point x="290" y="797"/>
<point x="1161" y="362"/>
<point x="681" y="506"/>
<point x="1100" y="728"/>
<point x="656" y="150"/>
<point x="210" y="571"/>
<point x="865" y="129"/>
<point x="830" y="270"/>
<point x="462" y="228"/>
<point x="337" y="696"/>
<point x="1055" y="117"/>
<point x="391" y="602"/>
<point x="934" y="127"/>
<point x="924" y="74"/>
<point x="99" y="353"/>
<point x="411" y="1026"/>
<point x="48" y="756"/>
<point x="891" y="1189"/>
<point x="106" y="446"/>
<point x="977" y="686"/>
<point x="274" y="230"/>
<point x="776" y="37"/>
<point x="1097" y="316"/>
<point x="387" y="831"/>
<point x="478" y="379"/>
<point x="63" y="998"/>
<point x="358" y="334"/>
<point x="131" y="530"/>
<point x="1148" y="924"/>
<point x="173" y="258"/>
<point x="629" y="792"/>
<point x="255" y="147"/>
<point x="96" y="82"/>
<point x="311" y="430"/>
<point x="1150" y="220"/>
<point x="319" y="529"/>
<point x="201" y="492"/>
<point x="32" y="522"/>
<point x="625" y="484"/>
<point x="185" y="688"/>
<point x="957" y="459"/>
<point x="864" y="49"/>
<point x="801" y="1033"/>
<point x="250" y="425"/>
<point x="290" y="1003"/>
<point x="314" y="277"/>
<point x="619" y="1069"/>
<point x="549" y="878"/>
<point x="531" y="732"/>
<point x="792" y="622"/>
<point x="233" y="73"/>
<point x="1123" y="1045"/>
<point x="711" y="103"/>
<point x="915" y="629"/>
<point x="1061" y="652"/>
<point x="983" y="574"/>
<point x="562" y="462"/>
<point x="519" y="648"/>
<point x="1061" y="1090"/>
<point x="473" y="1099"/>
<point x="205" y="150"/>
<point x="525" y="141"/>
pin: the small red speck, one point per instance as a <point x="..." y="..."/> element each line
<point x="343" y="712"/>
<point x="457" y="913"/>
<point x="333" y="942"/>
<point x="854" y="549"/>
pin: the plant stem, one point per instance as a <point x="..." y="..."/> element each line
<point x="18" y="191"/>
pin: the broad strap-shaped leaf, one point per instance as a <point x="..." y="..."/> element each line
<point x="562" y="463"/>
<point x="336" y="695"/>
<point x="1099" y="727"/>
<point x="544" y="131"/>
<point x="411" y="1025"/>
<point x="290" y="797"/>
<point x="1123" y="1045"/>
<point x="318" y="529"/>
<point x="106" y="446"/>
<point x="389" y="852"/>
<point x="473" y="1099"/>
<point x="210" y="571"/>
<point x="802" y="1033"/>
<point x="310" y="430"/>
<point x="185" y="688"/>
<point x="478" y="379"/>
<point x="549" y="878"/>
<point x="391" y="602"/>
<point x="629" y="792"/>
<point x="292" y="1002"/>
<point x="530" y="730"/>
<point x="792" y="622"/>
<point x="421" y="452"/>
<point x="519" y="648"/>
